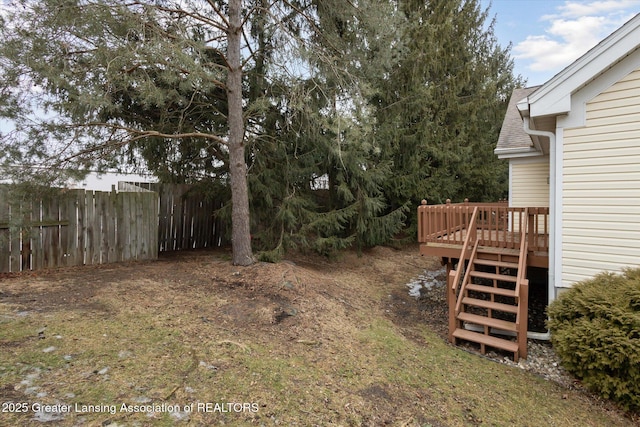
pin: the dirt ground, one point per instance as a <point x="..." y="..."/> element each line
<point x="263" y="298"/>
<point x="304" y="303"/>
<point x="301" y="305"/>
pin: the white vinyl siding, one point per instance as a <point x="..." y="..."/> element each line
<point x="530" y="183"/>
<point x="530" y="186"/>
<point x="601" y="185"/>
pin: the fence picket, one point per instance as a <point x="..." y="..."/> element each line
<point x="5" y="231"/>
<point x="142" y="242"/>
<point x="111" y="223"/>
<point x="69" y="235"/>
<point x="89" y="221"/>
<point x="152" y="224"/>
<point x="102" y="220"/>
<point x="32" y="253"/>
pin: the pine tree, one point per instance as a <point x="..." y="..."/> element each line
<point x="320" y="129"/>
<point x="440" y="105"/>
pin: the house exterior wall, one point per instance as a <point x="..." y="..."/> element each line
<point x="529" y="185"/>
<point x="601" y="185"/>
<point x="529" y="182"/>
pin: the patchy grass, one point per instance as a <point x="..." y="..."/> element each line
<point x="303" y="342"/>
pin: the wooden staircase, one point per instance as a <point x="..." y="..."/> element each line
<point x="488" y="304"/>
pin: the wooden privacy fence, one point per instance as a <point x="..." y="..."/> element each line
<point x="77" y="227"/>
<point x="186" y="218"/>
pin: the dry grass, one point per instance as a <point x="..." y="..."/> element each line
<point x="303" y="342"/>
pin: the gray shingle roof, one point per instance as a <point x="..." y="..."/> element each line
<point x="512" y="135"/>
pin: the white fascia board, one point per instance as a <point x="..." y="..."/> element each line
<point x="554" y="106"/>
<point x="512" y="153"/>
<point x="523" y="107"/>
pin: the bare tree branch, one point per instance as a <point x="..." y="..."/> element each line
<point x="197" y="16"/>
<point x="219" y="13"/>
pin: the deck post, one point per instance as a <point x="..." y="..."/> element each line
<point x="531" y="231"/>
<point x="423" y="226"/>
<point x="451" y="302"/>
<point x="523" y="316"/>
<point x="449" y="218"/>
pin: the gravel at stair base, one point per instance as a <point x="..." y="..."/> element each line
<point x="542" y="360"/>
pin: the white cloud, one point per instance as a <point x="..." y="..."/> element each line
<point x="575" y="28"/>
<point x="577" y="9"/>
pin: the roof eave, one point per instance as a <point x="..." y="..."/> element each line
<point x="518" y="152"/>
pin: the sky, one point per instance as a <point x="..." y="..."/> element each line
<point x="548" y="35"/>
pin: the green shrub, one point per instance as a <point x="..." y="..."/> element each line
<point x="595" y="329"/>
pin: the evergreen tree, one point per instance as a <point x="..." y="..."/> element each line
<point x="439" y="106"/>
<point x="319" y="130"/>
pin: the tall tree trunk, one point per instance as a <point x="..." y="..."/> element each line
<point x="240" y="232"/>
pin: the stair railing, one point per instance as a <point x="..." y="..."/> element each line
<point x="522" y="283"/>
<point x="467" y="277"/>
<point x="470" y="244"/>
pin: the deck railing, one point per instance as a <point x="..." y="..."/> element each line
<point x="496" y="225"/>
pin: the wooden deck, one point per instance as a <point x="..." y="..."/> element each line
<point x="442" y="229"/>
<point x="487" y="249"/>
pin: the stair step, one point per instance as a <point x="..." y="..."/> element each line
<point x="493" y="276"/>
<point x="491" y="290"/>
<point x="487" y="321"/>
<point x="494" y="263"/>
<point x="507" y="308"/>
<point x="502" y="251"/>
<point x="486" y="339"/>
<point x="513" y="259"/>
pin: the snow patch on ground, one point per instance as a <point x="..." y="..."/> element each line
<point x="427" y="280"/>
